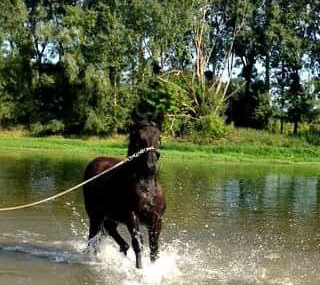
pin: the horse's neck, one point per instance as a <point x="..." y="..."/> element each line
<point x="131" y="150"/>
<point x="145" y="181"/>
<point x="139" y="174"/>
<point x="132" y="147"/>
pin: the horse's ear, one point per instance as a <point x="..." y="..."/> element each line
<point x="131" y="129"/>
<point x="136" y="116"/>
<point x="158" y="118"/>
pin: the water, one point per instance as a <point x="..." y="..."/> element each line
<point x="225" y="224"/>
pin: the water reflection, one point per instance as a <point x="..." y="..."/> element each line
<point x="26" y="177"/>
<point x="278" y="191"/>
<point x="255" y="188"/>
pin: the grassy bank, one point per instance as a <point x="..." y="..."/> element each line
<point x="241" y="146"/>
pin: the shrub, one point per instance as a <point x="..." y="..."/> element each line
<point x="98" y="125"/>
<point x="312" y="136"/>
<point x="178" y="126"/>
<point x="37" y="129"/>
<point x="212" y="126"/>
<point x="54" y="127"/>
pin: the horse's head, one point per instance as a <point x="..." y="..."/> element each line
<point x="144" y="133"/>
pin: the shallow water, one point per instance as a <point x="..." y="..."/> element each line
<point x="225" y="224"/>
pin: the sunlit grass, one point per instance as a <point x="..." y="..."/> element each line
<point x="17" y="132"/>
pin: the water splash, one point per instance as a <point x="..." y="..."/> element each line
<point x="122" y="268"/>
<point x="180" y="262"/>
<point x="183" y="263"/>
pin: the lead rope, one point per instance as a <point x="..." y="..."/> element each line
<point x="135" y="155"/>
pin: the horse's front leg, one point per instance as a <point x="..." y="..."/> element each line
<point x="154" y="233"/>
<point x="136" y="237"/>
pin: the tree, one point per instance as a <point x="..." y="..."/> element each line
<point x="15" y="63"/>
<point x="200" y="93"/>
<point x="291" y="54"/>
<point x="299" y="102"/>
<point x="82" y="65"/>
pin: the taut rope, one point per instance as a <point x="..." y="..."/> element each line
<point x="135" y="155"/>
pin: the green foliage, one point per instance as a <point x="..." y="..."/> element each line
<point x="311" y="133"/>
<point x="7" y="114"/>
<point x="97" y="124"/>
<point x="195" y="106"/>
<point x="102" y="108"/>
<point x="81" y="66"/>
<point x="251" y="109"/>
<point x="263" y="111"/>
<point x="53" y="127"/>
<point x="155" y="97"/>
<point x="212" y="126"/>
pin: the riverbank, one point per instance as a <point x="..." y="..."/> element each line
<point x="242" y="146"/>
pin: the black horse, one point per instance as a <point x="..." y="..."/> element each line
<point x="129" y="194"/>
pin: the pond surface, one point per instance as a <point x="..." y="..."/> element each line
<point x="225" y="224"/>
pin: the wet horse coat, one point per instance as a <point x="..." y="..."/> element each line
<point x="129" y="194"/>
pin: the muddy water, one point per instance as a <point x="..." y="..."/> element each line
<point x="225" y="224"/>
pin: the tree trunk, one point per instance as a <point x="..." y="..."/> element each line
<point x="281" y="126"/>
<point x="141" y="61"/>
<point x="267" y="72"/>
<point x="282" y="94"/>
<point x="295" y="128"/>
<point x="267" y="44"/>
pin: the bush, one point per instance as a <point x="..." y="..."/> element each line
<point x="37" y="129"/>
<point x="212" y="126"/>
<point x="54" y="127"/>
<point x="98" y="125"/>
<point x="178" y="127"/>
<point x="6" y="113"/>
<point x="312" y="135"/>
<point x="262" y="112"/>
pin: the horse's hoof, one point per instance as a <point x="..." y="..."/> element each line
<point x="124" y="250"/>
<point x="139" y="265"/>
<point x="138" y="262"/>
<point x="154" y="257"/>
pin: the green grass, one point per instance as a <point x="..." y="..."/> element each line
<point x="251" y="146"/>
<point x="242" y="145"/>
<point x="95" y="146"/>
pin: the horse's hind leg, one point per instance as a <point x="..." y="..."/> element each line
<point x="111" y="228"/>
<point x="94" y="228"/>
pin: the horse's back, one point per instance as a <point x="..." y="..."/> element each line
<point x="100" y="164"/>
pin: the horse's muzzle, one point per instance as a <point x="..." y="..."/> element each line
<point x="157" y="153"/>
<point x="152" y="159"/>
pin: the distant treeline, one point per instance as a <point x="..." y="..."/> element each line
<point x="79" y="67"/>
